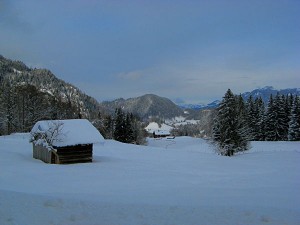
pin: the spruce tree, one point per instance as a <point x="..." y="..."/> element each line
<point x="251" y="118"/>
<point x="242" y="125"/>
<point x="281" y="125"/>
<point x="228" y="126"/>
<point x="270" y="121"/>
<point x="129" y="138"/>
<point x="287" y="113"/>
<point x="294" y="124"/>
<point x="108" y="127"/>
<point x="259" y="104"/>
<point x="120" y="126"/>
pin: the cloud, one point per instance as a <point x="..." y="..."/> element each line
<point x="133" y="75"/>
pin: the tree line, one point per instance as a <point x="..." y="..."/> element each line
<point x="23" y="105"/>
<point x="237" y="121"/>
<point x="122" y="126"/>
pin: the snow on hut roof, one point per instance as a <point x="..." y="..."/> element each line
<point x="68" y="132"/>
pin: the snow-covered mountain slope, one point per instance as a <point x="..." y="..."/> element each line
<point x="145" y="106"/>
<point x="17" y="73"/>
<point x="180" y="181"/>
<point x="265" y="92"/>
<point x="200" y="106"/>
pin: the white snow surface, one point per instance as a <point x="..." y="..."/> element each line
<point x="180" y="181"/>
<point x="154" y="127"/>
<point x="73" y="132"/>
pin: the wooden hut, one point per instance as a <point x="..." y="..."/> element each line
<point x="64" y="141"/>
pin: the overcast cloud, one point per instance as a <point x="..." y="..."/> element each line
<point x="193" y="50"/>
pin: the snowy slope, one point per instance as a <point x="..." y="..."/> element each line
<point x="179" y="182"/>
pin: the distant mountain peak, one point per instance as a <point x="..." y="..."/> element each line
<point x="264" y="93"/>
<point x="266" y="88"/>
<point x="148" y="105"/>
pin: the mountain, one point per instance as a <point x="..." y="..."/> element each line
<point x="146" y="106"/>
<point x="211" y="105"/>
<point x="16" y="73"/>
<point x="264" y="93"/>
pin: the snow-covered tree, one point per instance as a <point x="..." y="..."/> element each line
<point x="47" y="138"/>
<point x="270" y="121"/>
<point x="242" y="125"/>
<point x="127" y="128"/>
<point x="260" y="126"/>
<point x="120" y="126"/>
<point x="228" y="131"/>
<point x="8" y="108"/>
<point x="281" y="118"/>
<point x="294" y="124"/>
<point x="251" y="118"/>
<point x="129" y="137"/>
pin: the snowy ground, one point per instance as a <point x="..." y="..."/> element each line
<point x="180" y="181"/>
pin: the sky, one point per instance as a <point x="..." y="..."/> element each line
<point x="191" y="50"/>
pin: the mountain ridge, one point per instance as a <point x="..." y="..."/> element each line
<point x="17" y="73"/>
<point x="146" y="106"/>
<point x="264" y="93"/>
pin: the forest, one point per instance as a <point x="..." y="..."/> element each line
<point x="237" y="121"/>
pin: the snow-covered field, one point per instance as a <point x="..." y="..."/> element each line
<point x="180" y="181"/>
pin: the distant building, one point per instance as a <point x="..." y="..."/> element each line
<point x="64" y="141"/>
<point x="161" y="133"/>
<point x="156" y="131"/>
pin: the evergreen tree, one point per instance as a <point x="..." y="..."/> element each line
<point x="228" y="126"/>
<point x="108" y="127"/>
<point x="259" y="104"/>
<point x="294" y="124"/>
<point x="270" y="121"/>
<point x="129" y="128"/>
<point x="120" y="126"/>
<point x="8" y="108"/>
<point x="242" y="125"/>
<point x="281" y="123"/>
<point x="216" y="130"/>
<point x="139" y="133"/>
<point x="288" y="103"/>
<point x="251" y="116"/>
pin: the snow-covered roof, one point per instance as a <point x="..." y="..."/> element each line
<point x="68" y="132"/>
<point x="154" y="127"/>
<point x="164" y="129"/>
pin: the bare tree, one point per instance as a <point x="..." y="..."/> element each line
<point x="51" y="135"/>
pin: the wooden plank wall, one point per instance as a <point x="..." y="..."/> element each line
<point x="42" y="153"/>
<point x="64" y="155"/>
<point x="75" y="154"/>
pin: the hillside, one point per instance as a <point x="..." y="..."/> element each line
<point x="16" y="73"/>
<point x="146" y="106"/>
<point x="180" y="181"/>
